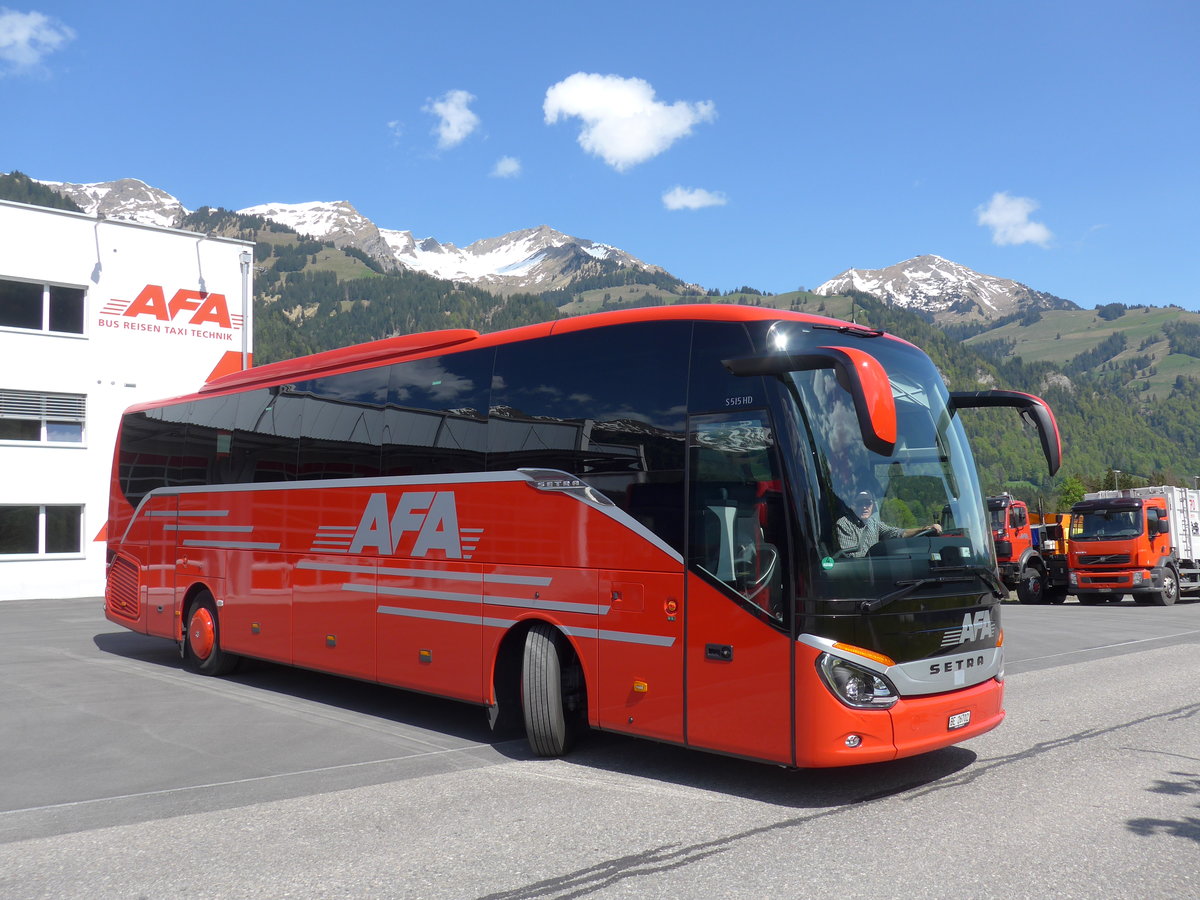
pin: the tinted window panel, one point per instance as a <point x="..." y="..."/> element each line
<point x="436" y="417"/>
<point x="64" y="525"/>
<point x="20" y="305"/>
<point x="155" y="453"/>
<point x="713" y="387"/>
<point x="20" y="430"/>
<point x="738" y="534"/>
<point x="608" y="405"/>
<point x="265" y="440"/>
<point x="341" y="423"/>
<point x="18" y="529"/>
<point x="66" y="309"/>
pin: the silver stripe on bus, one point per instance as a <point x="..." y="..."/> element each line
<point x="232" y="545"/>
<point x="624" y="637"/>
<point x="344" y="483"/>
<point x="188" y="512"/>
<point x="426" y="614"/>
<point x="448" y="574"/>
<point x="557" y="605"/>
<point x="245" y="529"/>
<point x="411" y="592"/>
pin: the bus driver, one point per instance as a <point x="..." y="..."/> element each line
<point x="858" y="533"/>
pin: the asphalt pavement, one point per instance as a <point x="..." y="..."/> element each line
<point x="124" y="776"/>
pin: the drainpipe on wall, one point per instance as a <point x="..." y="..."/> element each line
<point x="247" y="309"/>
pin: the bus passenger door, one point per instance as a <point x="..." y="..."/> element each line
<point x="739" y="654"/>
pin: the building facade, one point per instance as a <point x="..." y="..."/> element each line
<point x="96" y="315"/>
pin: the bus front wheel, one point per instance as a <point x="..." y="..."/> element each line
<point x="202" y="651"/>
<point x="552" y="691"/>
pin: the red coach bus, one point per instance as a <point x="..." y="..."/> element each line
<point x="632" y="521"/>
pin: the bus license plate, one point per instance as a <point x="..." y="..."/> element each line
<point x="959" y="720"/>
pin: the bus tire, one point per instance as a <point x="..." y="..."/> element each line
<point x="1032" y="586"/>
<point x="1169" y="593"/>
<point x="202" y="652"/>
<point x="551" y="682"/>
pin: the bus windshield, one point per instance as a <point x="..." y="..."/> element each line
<point x="913" y="520"/>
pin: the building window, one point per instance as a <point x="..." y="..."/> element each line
<point x="39" y="417"/>
<point x="41" y="307"/>
<point x="41" y="530"/>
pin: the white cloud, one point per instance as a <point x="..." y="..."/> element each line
<point x="507" y="167"/>
<point x="692" y="198"/>
<point x="456" y="121"/>
<point x="622" y="122"/>
<point x="396" y="127"/>
<point x="26" y="38"/>
<point x="1008" y="217"/>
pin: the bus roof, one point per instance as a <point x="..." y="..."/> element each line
<point x="413" y="345"/>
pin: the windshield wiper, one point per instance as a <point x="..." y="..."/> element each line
<point x="857" y="330"/>
<point x="953" y="575"/>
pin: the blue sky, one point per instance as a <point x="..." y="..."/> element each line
<point x="768" y="144"/>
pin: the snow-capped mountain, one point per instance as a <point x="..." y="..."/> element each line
<point x="946" y="290"/>
<point x="536" y="259"/>
<point x="542" y="259"/>
<point x="127" y="198"/>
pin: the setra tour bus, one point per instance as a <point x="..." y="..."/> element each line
<point x="633" y="521"/>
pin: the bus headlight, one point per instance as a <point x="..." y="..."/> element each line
<point x="854" y="685"/>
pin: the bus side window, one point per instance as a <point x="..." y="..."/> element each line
<point x="245" y="437"/>
<point x="609" y="407"/>
<point x="437" y="404"/>
<point x="341" y="423"/>
<point x="737" y="533"/>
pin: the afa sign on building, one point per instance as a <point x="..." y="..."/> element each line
<point x="96" y="315"/>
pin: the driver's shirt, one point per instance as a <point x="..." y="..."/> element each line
<point x="856" y="536"/>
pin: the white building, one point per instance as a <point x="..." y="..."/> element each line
<point x="96" y="315"/>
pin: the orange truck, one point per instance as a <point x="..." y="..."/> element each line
<point x="1031" y="550"/>
<point x="1139" y="541"/>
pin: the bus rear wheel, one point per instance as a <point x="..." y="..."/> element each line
<point x="552" y="691"/>
<point x="202" y="651"/>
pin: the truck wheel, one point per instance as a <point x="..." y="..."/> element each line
<point x="1056" y="595"/>
<point x="1091" y="599"/>
<point x="202" y="651"/>
<point x="1170" y="588"/>
<point x="552" y="691"/>
<point x="1032" y="586"/>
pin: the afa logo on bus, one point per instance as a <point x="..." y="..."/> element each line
<point x="186" y="307"/>
<point x="431" y="515"/>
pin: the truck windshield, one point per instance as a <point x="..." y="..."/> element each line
<point x="1106" y="524"/>
<point x="872" y="514"/>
